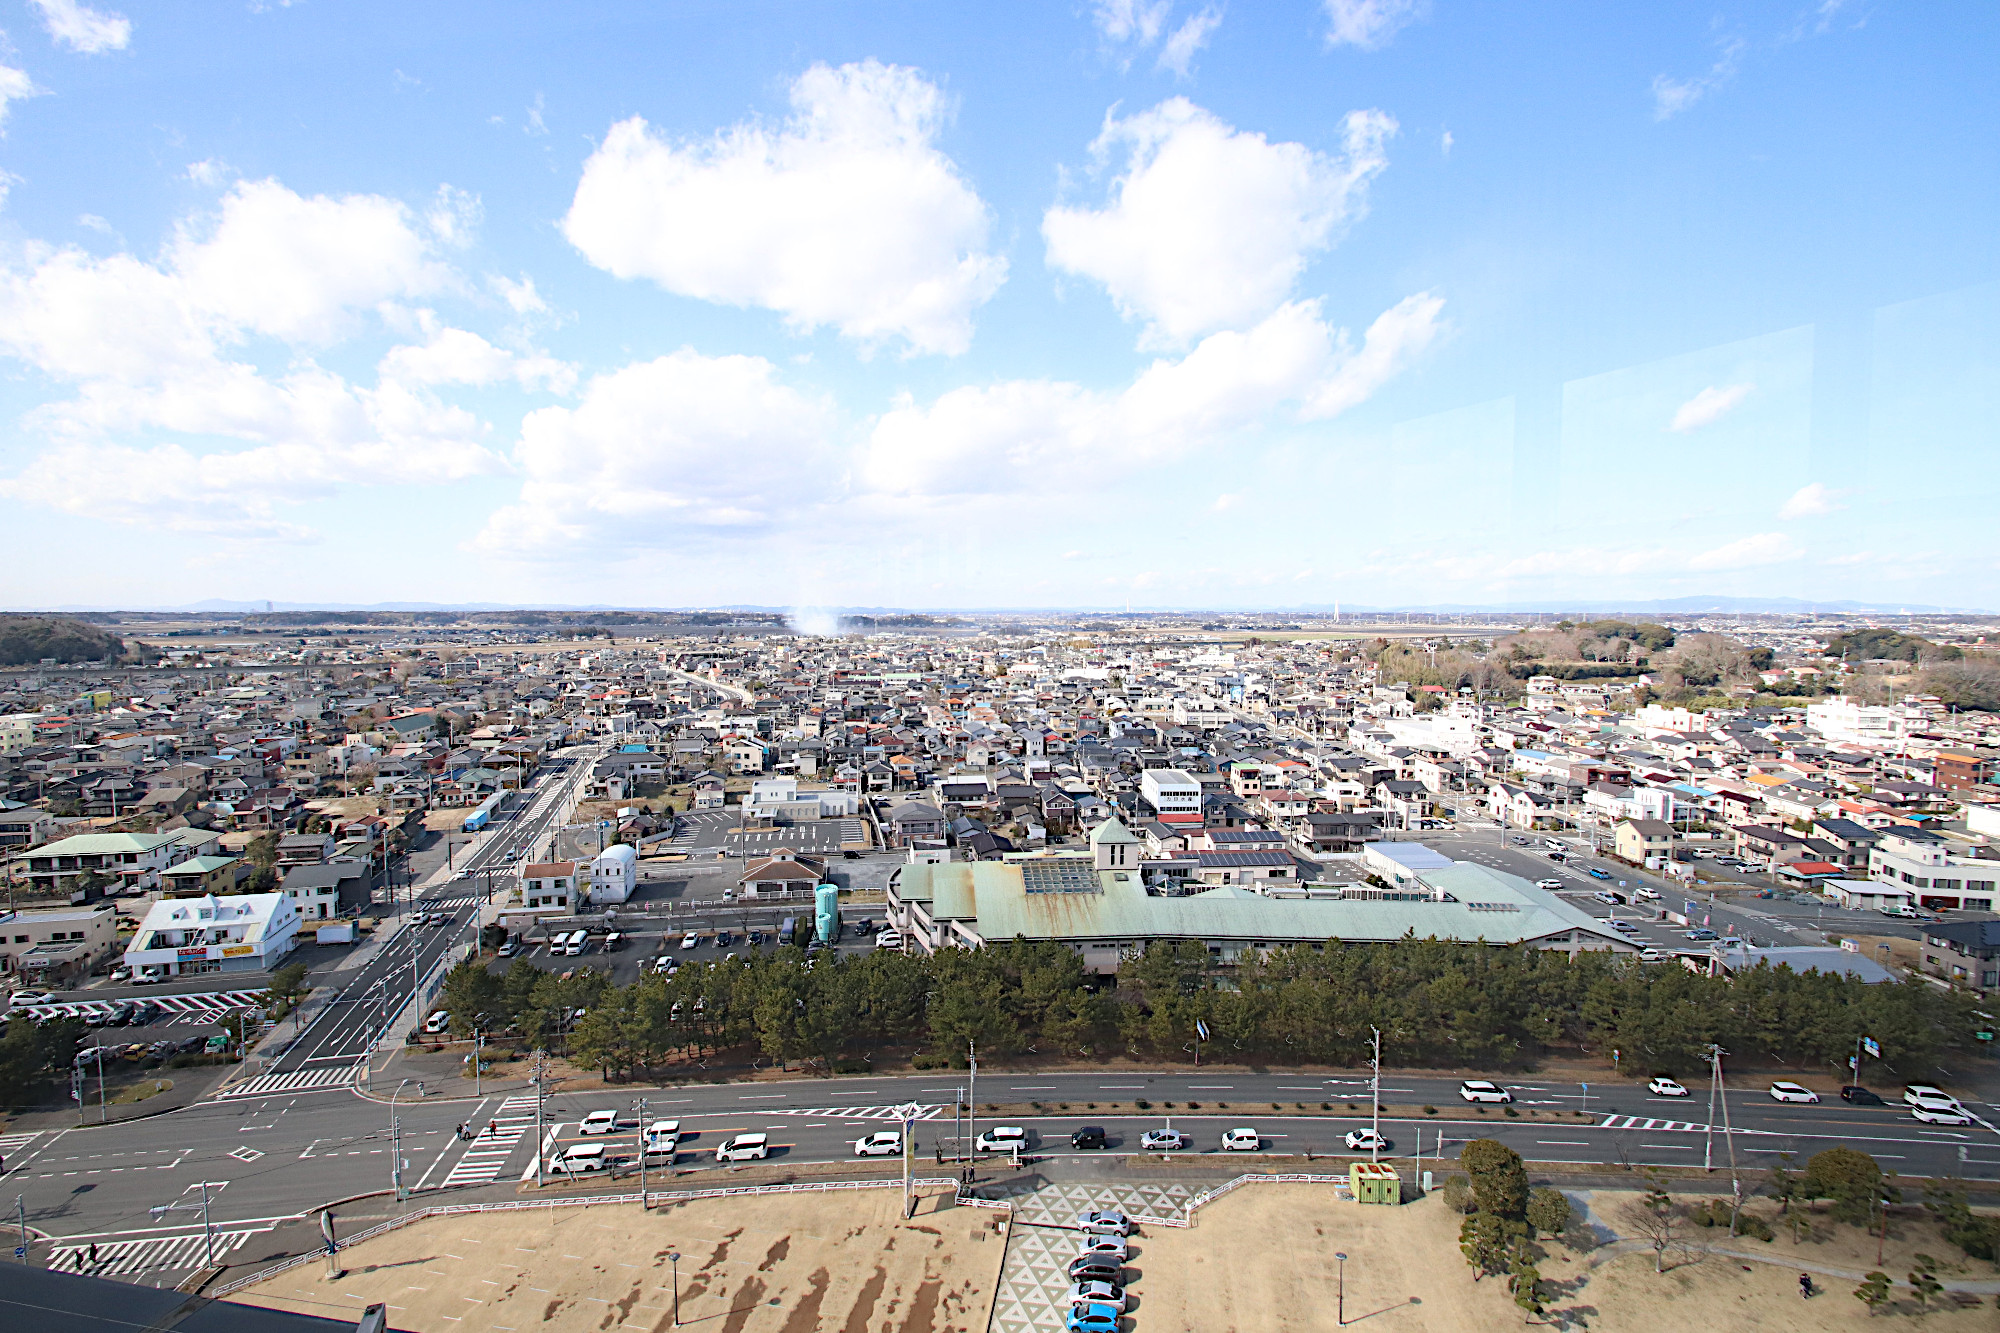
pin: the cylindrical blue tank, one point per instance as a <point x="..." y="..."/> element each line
<point x="826" y="913"/>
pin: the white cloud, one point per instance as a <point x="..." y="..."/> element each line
<point x="1023" y="434"/>
<point x="520" y="296"/>
<point x="454" y="215"/>
<point x="82" y="28"/>
<point x="14" y="86"/>
<point x="1444" y="143"/>
<point x="847" y="215"/>
<point x="151" y="347"/>
<point x="1810" y="501"/>
<point x="1226" y="502"/>
<point x="536" y="125"/>
<point x="1179" y="52"/>
<point x="456" y="356"/>
<point x="1708" y="407"/>
<point x="1369" y="24"/>
<point x="208" y="171"/>
<point x="1672" y="96"/>
<point x="1765" y="548"/>
<point x="660" y="448"/>
<point x="1208" y="227"/>
<point x="1131" y="20"/>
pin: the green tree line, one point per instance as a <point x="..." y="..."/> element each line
<point x="1437" y="1004"/>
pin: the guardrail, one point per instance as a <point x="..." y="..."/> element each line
<point x="516" y="1205"/>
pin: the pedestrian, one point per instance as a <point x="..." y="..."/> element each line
<point x="493" y="1128"/>
<point x="93" y="1254"/>
<point x="1805" y="1286"/>
<point x="79" y="1261"/>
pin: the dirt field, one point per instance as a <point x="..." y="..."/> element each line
<point x="767" y="1264"/>
<point x="1261" y="1259"/>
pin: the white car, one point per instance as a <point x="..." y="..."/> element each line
<point x="744" y="1148"/>
<point x="1479" y="1090"/>
<point x="1104" y="1222"/>
<point x="1366" y="1140"/>
<point x="1782" y="1091"/>
<point x="689" y="940"/>
<point x="1550" y="884"/>
<point x="891" y="940"/>
<point x="30" y="997"/>
<point x="884" y="1143"/>
<point x="1112" y="1248"/>
<point x="1001" y="1138"/>
<point x="599" y="1122"/>
<point x="1917" y="1093"/>
<point x="1666" y="1087"/>
<point x="579" y="1158"/>
<point x="437" y="1022"/>
<point x="1162" y="1140"/>
<point x="1939" y="1113"/>
<point x="1241" y="1140"/>
<point x="1098" y="1293"/>
<point x="663" y="1137"/>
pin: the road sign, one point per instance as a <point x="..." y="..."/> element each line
<point x="1201" y="1028"/>
<point x="1873" y="1047"/>
<point x="20" y="1251"/>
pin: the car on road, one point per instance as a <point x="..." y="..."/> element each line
<point x="662" y="1138"/>
<point x="1480" y="1090"/>
<point x="578" y="1158"/>
<point x="437" y="1022"/>
<point x="1940" y="1113"/>
<point x="1001" y="1138"/>
<point x="1666" y="1087"/>
<point x="882" y="1143"/>
<point x="1550" y="884"/>
<point x="1699" y="934"/>
<point x="744" y="1148"/>
<point x="889" y="939"/>
<point x="598" y="1122"/>
<point x="1366" y="1140"/>
<point x="507" y="948"/>
<point x="1241" y="1140"/>
<point x="1163" y="1140"/>
<point x="1646" y="894"/>
<point x="1859" y="1096"/>
<point x="1098" y="1293"/>
<point x="691" y="939"/>
<point x="1087" y="1136"/>
<point x="1597" y="872"/>
<point x="145" y="977"/>
<point x="21" y="997"/>
<point x="1104" y="1222"/>
<point x="1926" y="1092"/>
<point x="1782" y="1091"/>
<point x="1088" y="1318"/>
<point x="1519" y="841"/>
<point x="1111" y="1247"/>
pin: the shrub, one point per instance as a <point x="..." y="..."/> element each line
<point x="1192" y="1106"/>
<point x="1850" y="1179"/>
<point x="1430" y="1110"/>
<point x="1457" y="1191"/>
<point x="1499" y="1179"/>
<point x="1143" y="1104"/>
<point x="1511" y="1111"/>
<point x="926" y="1060"/>
<point x="1326" y="1106"/>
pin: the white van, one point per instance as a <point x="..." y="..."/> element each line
<point x="437" y="1022"/>
<point x="578" y="1158"/>
<point x="744" y="1148"/>
<point x="1241" y="1140"/>
<point x="662" y="1138"/>
<point x="578" y="942"/>
<point x="1001" y="1138"/>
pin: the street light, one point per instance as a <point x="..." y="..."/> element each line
<point x="675" y="1259"/>
<point x="1340" y="1309"/>
<point x="207" y="1231"/>
<point x="396" y="1143"/>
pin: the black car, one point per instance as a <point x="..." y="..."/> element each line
<point x="723" y="939"/>
<point x="756" y="937"/>
<point x="1089" y="1136"/>
<point x="189" y="1045"/>
<point x="1096" y="1268"/>
<point x="148" y="1012"/>
<point x="122" y="1015"/>
<point x="1860" y="1096"/>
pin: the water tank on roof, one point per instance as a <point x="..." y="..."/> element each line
<point x="826" y="913"/>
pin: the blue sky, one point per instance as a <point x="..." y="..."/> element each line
<point x="1367" y="301"/>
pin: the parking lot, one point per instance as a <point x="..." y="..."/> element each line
<point x="717" y="935"/>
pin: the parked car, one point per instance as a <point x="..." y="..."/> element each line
<point x="1366" y="1140"/>
<point x="578" y="1158"/>
<point x="189" y="1045"/>
<point x="507" y="948"/>
<point x="1701" y="934"/>
<point x="1111" y="1247"/>
<point x="723" y="939"/>
<point x="1163" y="1140"/>
<point x="1650" y="955"/>
<point x="1550" y="884"/>
<point x="1781" y="1091"/>
<point x="1480" y="1090"/>
<point x="1666" y="1087"/>
<point x="1087" y="1136"/>
<point x="755" y="937"/>
<point x="1926" y="1092"/>
<point x="599" y="1122"/>
<point x="744" y="1148"/>
<point x="1241" y="1140"/>
<point x="122" y="1014"/>
<point x="1095" y="1268"/>
<point x="1859" y="1095"/>
<point x="1098" y="1293"/>
<point x="1104" y="1222"/>
<point x="1001" y="1138"/>
<point x="614" y="941"/>
<point x="691" y="939"/>
<point x="437" y="1022"/>
<point x="1088" y="1318"/>
<point x="883" y="1143"/>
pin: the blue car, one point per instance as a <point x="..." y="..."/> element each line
<point x="1596" y="872"/>
<point x="1091" y="1319"/>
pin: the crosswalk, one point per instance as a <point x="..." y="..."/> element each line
<point x="203" y="1006"/>
<point x="488" y="1155"/>
<point x="146" y="1254"/>
<point x="450" y="904"/>
<point x="853" y="1112"/>
<point x="12" y="1144"/>
<point x="299" y="1080"/>
<point x="1666" y="1126"/>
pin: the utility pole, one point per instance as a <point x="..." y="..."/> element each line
<point x="396" y="1143"/>
<point x="643" y="1145"/>
<point x="1729" y="1138"/>
<point x="972" y="1096"/>
<point x="1375" y="1095"/>
<point x="21" y="1211"/>
<point x="540" y="1096"/>
<point x="478" y="1054"/>
<point x="1708" y="1130"/>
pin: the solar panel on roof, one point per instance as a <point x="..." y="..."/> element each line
<point x="1067" y="875"/>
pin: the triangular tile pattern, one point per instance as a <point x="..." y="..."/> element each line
<point x="1033" y="1280"/>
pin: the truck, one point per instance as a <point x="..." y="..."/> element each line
<point x="335" y="932"/>
<point x="787" y="930"/>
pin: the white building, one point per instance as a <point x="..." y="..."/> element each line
<point x="614" y="874"/>
<point x="1171" y="792"/>
<point x="1842" y="721"/>
<point x="248" y="932"/>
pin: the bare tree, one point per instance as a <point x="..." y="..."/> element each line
<point x="1656" y="1219"/>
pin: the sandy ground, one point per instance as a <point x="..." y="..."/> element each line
<point x="766" y="1264"/>
<point x="1262" y="1259"/>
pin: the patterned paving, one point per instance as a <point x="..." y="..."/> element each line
<point x="1033" y="1283"/>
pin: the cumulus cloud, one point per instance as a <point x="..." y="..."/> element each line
<point x="1672" y="96"/>
<point x="661" y="448"/>
<point x="456" y="356"/>
<point x="1023" y="434"/>
<point x="1369" y="24"/>
<point x="847" y="215"/>
<point x="1709" y="406"/>
<point x="82" y="28"/>
<point x="1208" y="227"/>
<point x="157" y="346"/>
<point x="519" y="294"/>
<point x="1810" y="501"/>
<point x="1764" y="548"/>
